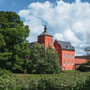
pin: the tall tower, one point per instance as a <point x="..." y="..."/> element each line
<point x="45" y="38"/>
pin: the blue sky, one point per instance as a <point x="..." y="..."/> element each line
<point x="67" y="20"/>
<point x="16" y="5"/>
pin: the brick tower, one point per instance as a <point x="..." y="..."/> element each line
<point x="45" y="38"/>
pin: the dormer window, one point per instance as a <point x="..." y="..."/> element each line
<point x="67" y="47"/>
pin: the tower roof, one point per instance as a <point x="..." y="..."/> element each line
<point x="45" y="33"/>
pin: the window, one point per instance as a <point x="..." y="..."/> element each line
<point x="72" y="62"/>
<point x="68" y="56"/>
<point x="64" y="62"/>
<point x="68" y="62"/>
<point x="64" y="56"/>
<point x="72" y="56"/>
<point x="67" y="47"/>
<point x="48" y="44"/>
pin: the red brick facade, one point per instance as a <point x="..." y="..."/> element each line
<point x="46" y="40"/>
<point x="66" y="56"/>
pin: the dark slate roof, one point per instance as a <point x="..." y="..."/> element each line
<point x="30" y="44"/>
<point x="45" y="33"/>
<point x="83" y="57"/>
<point x="66" y="45"/>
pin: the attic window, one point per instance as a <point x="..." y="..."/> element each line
<point x="67" y="47"/>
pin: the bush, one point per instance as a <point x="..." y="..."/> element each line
<point x="66" y="81"/>
<point x="43" y="61"/>
<point x="82" y="68"/>
<point x="4" y="72"/>
<point x="63" y="81"/>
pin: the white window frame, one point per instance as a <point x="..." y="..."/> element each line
<point x="68" y="56"/>
<point x="72" y="62"/>
<point x="64" y="55"/>
<point x="64" y="63"/>
<point x="68" y="62"/>
<point x="72" y="56"/>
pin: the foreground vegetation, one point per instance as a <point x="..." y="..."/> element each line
<point x="15" y="52"/>
<point x="62" y="81"/>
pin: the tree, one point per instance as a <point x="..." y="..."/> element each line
<point x="86" y="66"/>
<point x="43" y="60"/>
<point x="87" y="50"/>
<point x="14" y="48"/>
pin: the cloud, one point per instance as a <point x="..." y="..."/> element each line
<point x="65" y="21"/>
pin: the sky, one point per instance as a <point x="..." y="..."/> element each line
<point x="66" y="20"/>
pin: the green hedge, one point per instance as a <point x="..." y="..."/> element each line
<point x="62" y="81"/>
<point x="70" y="81"/>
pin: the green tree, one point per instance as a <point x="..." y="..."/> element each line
<point x="86" y="66"/>
<point x="87" y="50"/>
<point x="14" y="48"/>
<point x="43" y="60"/>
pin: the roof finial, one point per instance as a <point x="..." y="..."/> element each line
<point x="45" y="28"/>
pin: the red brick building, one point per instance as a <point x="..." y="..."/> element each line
<point x="64" y="49"/>
<point x="45" y="38"/>
<point x="66" y="54"/>
<point x="81" y="60"/>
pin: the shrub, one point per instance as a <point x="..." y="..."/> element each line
<point x="66" y="81"/>
<point x="4" y="72"/>
<point x="43" y="61"/>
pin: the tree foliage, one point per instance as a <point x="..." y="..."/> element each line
<point x="87" y="50"/>
<point x="13" y="44"/>
<point x="43" y="60"/>
<point x="86" y="66"/>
